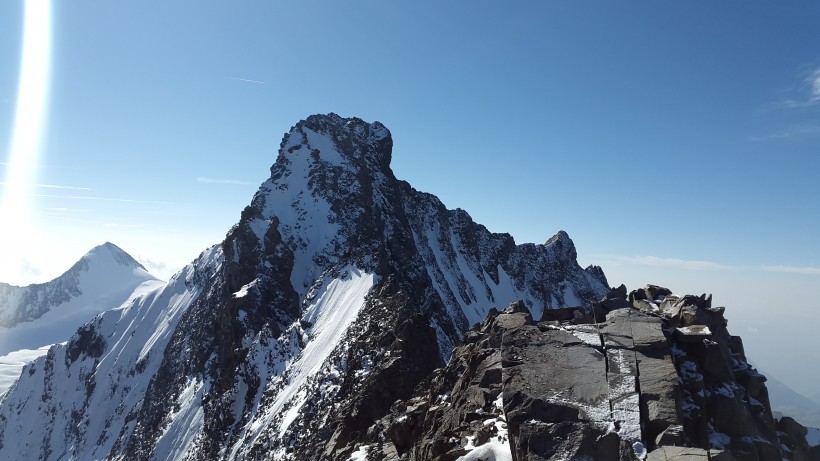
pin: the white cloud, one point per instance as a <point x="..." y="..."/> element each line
<point x="814" y="85"/>
<point x="678" y="263"/>
<point x="697" y="265"/>
<point x="801" y="130"/>
<point x="806" y="270"/>
<point x="158" y="268"/>
<point x="807" y="92"/>
<point x="222" y="181"/>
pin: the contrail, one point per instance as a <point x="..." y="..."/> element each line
<point x="52" y="186"/>
<point x="102" y="199"/>
<point x="247" y="80"/>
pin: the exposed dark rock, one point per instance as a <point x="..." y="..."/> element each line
<point x="649" y="292"/>
<point x="577" y="315"/>
<point x="632" y="384"/>
<point x="412" y="357"/>
<point x="87" y="342"/>
<point x="615" y="299"/>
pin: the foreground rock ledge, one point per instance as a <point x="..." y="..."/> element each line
<point x="643" y="376"/>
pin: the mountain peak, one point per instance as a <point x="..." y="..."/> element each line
<point x="100" y="280"/>
<point x="562" y="244"/>
<point x="109" y="253"/>
<point x="337" y="139"/>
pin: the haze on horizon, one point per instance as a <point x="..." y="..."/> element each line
<point x="676" y="144"/>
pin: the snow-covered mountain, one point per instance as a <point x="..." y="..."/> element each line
<point x="36" y="316"/>
<point x="341" y="287"/>
<point x="318" y="328"/>
<point x="105" y="271"/>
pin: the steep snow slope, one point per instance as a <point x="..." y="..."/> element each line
<point x="273" y="343"/>
<point x="97" y="380"/>
<point x="40" y="315"/>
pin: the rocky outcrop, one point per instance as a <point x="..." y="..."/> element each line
<point x="657" y="377"/>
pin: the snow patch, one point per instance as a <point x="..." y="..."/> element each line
<point x="244" y="290"/>
<point x="695" y="330"/>
<point x="360" y="454"/>
<point x="495" y="449"/>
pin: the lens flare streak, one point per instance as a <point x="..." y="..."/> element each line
<point x="16" y="229"/>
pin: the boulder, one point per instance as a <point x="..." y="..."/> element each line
<point x="573" y="315"/>
<point x="649" y="292"/>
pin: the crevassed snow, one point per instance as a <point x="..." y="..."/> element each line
<point x="333" y="309"/>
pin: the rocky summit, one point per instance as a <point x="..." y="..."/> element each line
<point x="318" y="329"/>
<point x="651" y="376"/>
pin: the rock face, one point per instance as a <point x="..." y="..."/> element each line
<point x="634" y="384"/>
<point x="338" y="291"/>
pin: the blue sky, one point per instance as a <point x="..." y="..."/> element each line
<point x="677" y="143"/>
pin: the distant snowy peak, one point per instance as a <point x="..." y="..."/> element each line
<point x="105" y="269"/>
<point x="109" y="255"/>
